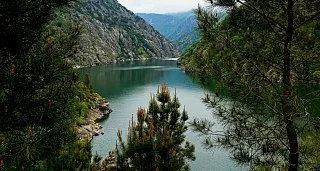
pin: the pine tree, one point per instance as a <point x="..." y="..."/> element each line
<point x="261" y="54"/>
<point x="37" y="85"/>
<point x="155" y="141"/>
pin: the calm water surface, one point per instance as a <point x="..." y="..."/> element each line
<point x="129" y="85"/>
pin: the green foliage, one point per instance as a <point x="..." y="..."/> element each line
<point x="83" y="100"/>
<point x="96" y="162"/>
<point x="248" y="55"/>
<point x="19" y="28"/>
<point x="310" y="152"/>
<point x="187" y="40"/>
<point x="142" y="53"/>
<point x="74" y="156"/>
<point x="157" y="140"/>
<point x="39" y="89"/>
<point x="180" y="28"/>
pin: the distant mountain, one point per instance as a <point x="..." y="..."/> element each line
<point x="112" y="32"/>
<point x="180" y="28"/>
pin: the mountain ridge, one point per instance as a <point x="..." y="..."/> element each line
<point x="180" y="27"/>
<point x="111" y="33"/>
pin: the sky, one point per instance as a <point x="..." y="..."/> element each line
<point x="160" y="6"/>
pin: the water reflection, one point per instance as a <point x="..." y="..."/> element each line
<point x="117" y="79"/>
<point x="129" y="85"/>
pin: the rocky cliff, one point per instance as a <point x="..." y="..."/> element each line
<point x="111" y="32"/>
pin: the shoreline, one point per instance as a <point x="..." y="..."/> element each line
<point x="124" y="60"/>
<point x="97" y="113"/>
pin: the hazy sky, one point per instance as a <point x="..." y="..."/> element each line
<point x="160" y="6"/>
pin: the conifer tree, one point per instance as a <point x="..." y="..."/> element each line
<point x="157" y="141"/>
<point x="37" y="85"/>
<point x="264" y="54"/>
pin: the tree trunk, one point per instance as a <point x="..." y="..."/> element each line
<point x="286" y="101"/>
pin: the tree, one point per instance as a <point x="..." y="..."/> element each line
<point x="37" y="85"/>
<point x="156" y="141"/>
<point x="261" y="54"/>
<point x="21" y="23"/>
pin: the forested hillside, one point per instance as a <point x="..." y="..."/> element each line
<point x="111" y="32"/>
<point x="180" y="28"/>
<point x="42" y="101"/>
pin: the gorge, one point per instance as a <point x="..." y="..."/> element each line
<point x="129" y="85"/>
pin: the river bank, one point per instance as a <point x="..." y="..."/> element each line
<point x="121" y="60"/>
<point x="97" y="112"/>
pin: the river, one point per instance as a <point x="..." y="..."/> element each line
<point x="129" y="85"/>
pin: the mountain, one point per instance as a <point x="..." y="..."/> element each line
<point x="180" y="28"/>
<point x="111" y="32"/>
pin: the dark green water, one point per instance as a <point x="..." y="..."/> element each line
<point x="129" y="85"/>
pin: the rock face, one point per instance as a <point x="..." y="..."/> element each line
<point x="111" y="32"/>
<point x="90" y="126"/>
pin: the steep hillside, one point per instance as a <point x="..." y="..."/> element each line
<point x="112" y="32"/>
<point x="164" y="23"/>
<point x="180" y="28"/>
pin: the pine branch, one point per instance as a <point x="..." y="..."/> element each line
<point x="311" y="18"/>
<point x="263" y="75"/>
<point x="269" y="19"/>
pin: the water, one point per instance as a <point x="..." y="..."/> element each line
<point x="129" y="85"/>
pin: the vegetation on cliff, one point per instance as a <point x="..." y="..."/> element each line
<point x="180" y="28"/>
<point x="111" y="32"/>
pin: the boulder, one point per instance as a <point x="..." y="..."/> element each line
<point x="103" y="107"/>
<point x="88" y="128"/>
